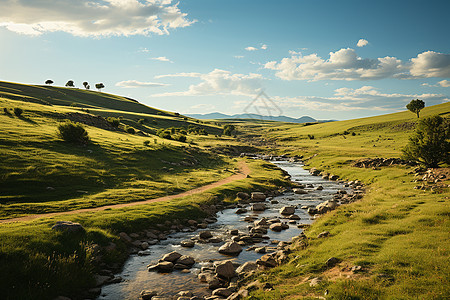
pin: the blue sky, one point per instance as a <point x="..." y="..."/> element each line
<point x="325" y="59"/>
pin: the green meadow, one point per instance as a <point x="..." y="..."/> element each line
<point x="397" y="234"/>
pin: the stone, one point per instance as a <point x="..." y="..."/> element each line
<point x="234" y="232"/>
<point x="260" y="250"/>
<point x="319" y="188"/>
<point x="222" y="292"/>
<point x="68" y="226"/>
<point x="274" y="202"/>
<point x="247" y="267"/>
<point x="171" y="257"/>
<point x="230" y="248"/>
<point x="267" y="261"/>
<point x="242" y="195"/>
<point x="165" y="266"/>
<point x="241" y="211"/>
<point x="294" y="217"/>
<point x="186" y="260"/>
<point x="214" y="284"/>
<point x="147" y="295"/>
<point x="323" y="234"/>
<point x="187" y="294"/>
<point x="287" y="210"/>
<point x="62" y="298"/>
<point x="258" y="197"/>
<point x="225" y="270"/>
<point x="315" y="281"/>
<point x="187" y="244"/>
<point x="192" y="223"/>
<point x="332" y="261"/>
<point x="299" y="191"/>
<point x="205" y="234"/>
<point x="277" y="227"/>
<point x="258" y="207"/>
<point x="261" y="222"/>
<point x="215" y="240"/>
<point x="101" y="279"/>
<point x="144" y="245"/>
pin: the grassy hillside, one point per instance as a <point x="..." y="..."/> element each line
<point x="399" y="235"/>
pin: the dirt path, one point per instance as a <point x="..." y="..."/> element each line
<point x="244" y="170"/>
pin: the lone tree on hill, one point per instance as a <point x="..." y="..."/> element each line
<point x="430" y="144"/>
<point x="70" y="83"/>
<point x="99" y="86"/>
<point x="49" y="81"/>
<point x="415" y="106"/>
<point x="86" y="85"/>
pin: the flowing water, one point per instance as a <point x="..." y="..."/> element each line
<point x="136" y="277"/>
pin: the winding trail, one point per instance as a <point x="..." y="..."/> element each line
<point x="243" y="172"/>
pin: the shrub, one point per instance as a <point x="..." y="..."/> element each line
<point x="228" y="130"/>
<point x="141" y="121"/>
<point x="310" y="136"/>
<point x="430" y="144"/>
<point x="18" y="111"/>
<point x="113" y="121"/>
<point x="180" y="138"/>
<point x="73" y="133"/>
<point x="353" y="133"/>
<point x="165" y="134"/>
<point x="6" y="111"/>
<point x="130" y="130"/>
<point x="146" y="143"/>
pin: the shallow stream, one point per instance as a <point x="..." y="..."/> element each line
<point x="136" y="277"/>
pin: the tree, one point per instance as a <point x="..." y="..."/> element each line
<point x="49" y="81"/>
<point x="415" y="106"/>
<point x="73" y="133"/>
<point x="430" y="143"/>
<point x="228" y="130"/>
<point x="70" y="83"/>
<point x="86" y="85"/>
<point x="99" y="86"/>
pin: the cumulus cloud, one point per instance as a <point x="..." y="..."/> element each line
<point x="251" y="48"/>
<point x="136" y="84"/>
<point x="264" y="47"/>
<point x="362" y="43"/>
<point x="364" y="98"/>
<point x="345" y="64"/>
<point x="431" y="64"/>
<point x="219" y="82"/>
<point x="162" y="58"/>
<point x="238" y="56"/>
<point x="444" y="83"/>
<point x="92" y="17"/>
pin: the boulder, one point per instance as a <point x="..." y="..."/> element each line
<point x="258" y="207"/>
<point x="287" y="210"/>
<point x="187" y="244"/>
<point x="144" y="245"/>
<point x="294" y="217"/>
<point x="187" y="294"/>
<point x="222" y="292"/>
<point x="258" y="197"/>
<point x="261" y="222"/>
<point x="241" y="211"/>
<point x="315" y="281"/>
<point x="247" y="267"/>
<point x="230" y="248"/>
<point x="205" y="235"/>
<point x="267" y="261"/>
<point x="68" y="226"/>
<point x="165" y="266"/>
<point x="276" y="227"/>
<point x="186" y="260"/>
<point x="299" y="191"/>
<point x="319" y="188"/>
<point x="332" y="261"/>
<point x="225" y="270"/>
<point x="148" y="295"/>
<point x="171" y="257"/>
<point x="242" y="195"/>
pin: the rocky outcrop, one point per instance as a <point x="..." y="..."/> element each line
<point x="68" y="226"/>
<point x="382" y="162"/>
<point x="230" y="248"/>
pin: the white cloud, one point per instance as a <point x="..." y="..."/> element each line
<point x="92" y="17"/>
<point x="251" y="48"/>
<point x="364" y="98"/>
<point x="264" y="47"/>
<point x="136" y="84"/>
<point x="191" y="74"/>
<point x="162" y="58"/>
<point x="238" y="56"/>
<point x="219" y="82"/>
<point x="362" y="43"/>
<point x="431" y="64"/>
<point x="444" y="83"/>
<point x="345" y="64"/>
<point x="203" y="107"/>
<point x="144" y="50"/>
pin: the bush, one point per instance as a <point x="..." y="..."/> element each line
<point x="141" y="121"/>
<point x="429" y="144"/>
<point x="130" y="130"/>
<point x="6" y="111"/>
<point x="180" y="138"/>
<point x="165" y="134"/>
<point x="113" y="121"/>
<point x="228" y="130"/>
<point x="146" y="143"/>
<point x="73" y="133"/>
<point x="18" y="111"/>
<point x="310" y="136"/>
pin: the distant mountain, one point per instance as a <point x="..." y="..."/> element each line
<point x="217" y="115"/>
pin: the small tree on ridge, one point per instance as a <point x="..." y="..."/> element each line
<point x="99" y="86"/>
<point x="415" y="106"/>
<point x="49" y="81"/>
<point x="70" y="83"/>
